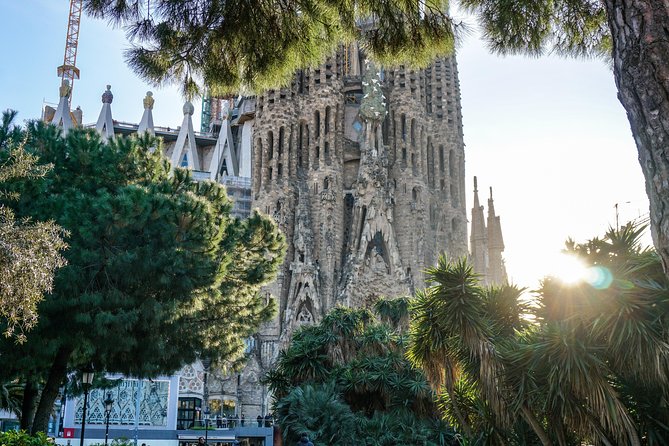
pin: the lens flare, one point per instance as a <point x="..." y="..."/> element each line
<point x="568" y="269"/>
<point x="599" y="277"/>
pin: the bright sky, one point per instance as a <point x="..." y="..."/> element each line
<point x="548" y="134"/>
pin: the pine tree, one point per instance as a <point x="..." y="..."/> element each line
<point x="158" y="271"/>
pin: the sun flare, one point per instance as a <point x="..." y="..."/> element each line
<point x="568" y="269"/>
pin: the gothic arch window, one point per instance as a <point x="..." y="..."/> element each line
<point x="404" y="127"/>
<point x="279" y="170"/>
<point x="413" y="132"/>
<point x="270" y="145"/>
<point x="442" y="159"/>
<point x="269" y="174"/>
<point x="328" y="113"/>
<point x="414" y="194"/>
<point x="282" y="134"/>
<point x="258" y="172"/>
<point x="317" y="124"/>
<point x="326" y="183"/>
<point x="451" y="163"/>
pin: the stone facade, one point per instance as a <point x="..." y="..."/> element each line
<point x="363" y="170"/>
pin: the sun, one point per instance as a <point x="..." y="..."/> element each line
<point x="568" y="269"/>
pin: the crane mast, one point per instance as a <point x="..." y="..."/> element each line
<point x="69" y="71"/>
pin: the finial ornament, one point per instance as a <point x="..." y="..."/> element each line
<point x="188" y="108"/>
<point x="476" y="186"/>
<point x="148" y="101"/>
<point x="491" y="192"/>
<point x="107" y="96"/>
<point x="65" y="89"/>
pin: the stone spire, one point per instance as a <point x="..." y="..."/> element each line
<point x="479" y="237"/>
<point x="105" y="124"/>
<point x="146" y="124"/>
<point x="62" y="118"/>
<point x="496" y="269"/>
<point x="185" y="145"/>
<point x="223" y="150"/>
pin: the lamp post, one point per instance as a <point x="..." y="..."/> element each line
<point x="108" y="408"/>
<point x="86" y="381"/>
<point x="206" y="424"/>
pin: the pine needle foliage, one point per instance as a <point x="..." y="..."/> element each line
<point x="252" y="45"/>
<point x="158" y="271"/>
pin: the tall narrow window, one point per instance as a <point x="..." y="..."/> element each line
<point x="327" y="120"/>
<point x="317" y="123"/>
<point x="281" y="137"/>
<point x="442" y="167"/>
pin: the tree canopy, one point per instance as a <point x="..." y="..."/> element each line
<point x="158" y="272"/>
<point x="236" y="45"/>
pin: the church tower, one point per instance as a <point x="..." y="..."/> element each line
<point x="363" y="170"/>
<point x="486" y="242"/>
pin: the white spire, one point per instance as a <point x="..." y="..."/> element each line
<point x="185" y="145"/>
<point x="244" y="153"/>
<point x="62" y="118"/>
<point x="146" y="124"/>
<point x="105" y="124"/>
<point x="223" y="152"/>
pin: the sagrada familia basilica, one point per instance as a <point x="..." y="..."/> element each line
<point x="363" y="169"/>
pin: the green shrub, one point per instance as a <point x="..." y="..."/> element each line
<point x="22" y="438"/>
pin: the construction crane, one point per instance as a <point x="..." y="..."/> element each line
<point x="69" y="71"/>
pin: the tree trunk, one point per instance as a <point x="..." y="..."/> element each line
<point x="29" y="403"/>
<point x="641" y="70"/>
<point x="56" y="376"/>
<point x="536" y="426"/>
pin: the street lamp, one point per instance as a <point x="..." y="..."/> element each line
<point x="108" y="408"/>
<point x="86" y="381"/>
<point x="206" y="424"/>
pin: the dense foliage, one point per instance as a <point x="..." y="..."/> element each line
<point x="228" y="45"/>
<point x="29" y="250"/>
<point x="158" y="272"/>
<point x="587" y="365"/>
<point x="22" y="438"/>
<point x="347" y="381"/>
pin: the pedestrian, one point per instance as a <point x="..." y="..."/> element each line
<point x="304" y="441"/>
<point x="200" y="442"/>
<point x="259" y="420"/>
<point x="219" y="421"/>
<point x="241" y="420"/>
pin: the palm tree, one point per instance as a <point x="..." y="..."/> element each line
<point x="352" y="356"/>
<point x="455" y="323"/>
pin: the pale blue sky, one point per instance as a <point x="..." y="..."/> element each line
<point x="548" y="134"/>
